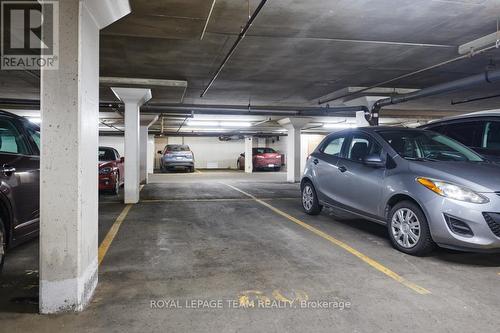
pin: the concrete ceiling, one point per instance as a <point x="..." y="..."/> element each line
<point x="296" y="51"/>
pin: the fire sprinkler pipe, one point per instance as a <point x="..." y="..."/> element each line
<point x="467" y="82"/>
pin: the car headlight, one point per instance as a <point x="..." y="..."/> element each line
<point x="453" y="191"/>
<point x="258" y="156"/>
<point x="105" y="171"/>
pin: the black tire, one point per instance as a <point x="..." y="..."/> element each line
<point x="191" y="169"/>
<point x="116" y="188"/>
<point x="310" y="206"/>
<point x="3" y="243"/>
<point x="424" y="245"/>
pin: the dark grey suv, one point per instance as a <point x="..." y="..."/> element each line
<point x="19" y="181"/>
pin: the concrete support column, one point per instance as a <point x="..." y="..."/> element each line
<point x="293" y="127"/>
<point x="69" y="156"/>
<point x="146" y="122"/>
<point x="248" y="154"/>
<point x="133" y="99"/>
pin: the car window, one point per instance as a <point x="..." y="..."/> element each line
<point x="491" y="138"/>
<point x="177" y="148"/>
<point x="468" y="133"/>
<point x="117" y="154"/>
<point x="106" y="154"/>
<point x="425" y="145"/>
<point x="35" y="135"/>
<point x="361" y="146"/>
<point x="334" y="147"/>
<point x="11" y="140"/>
<point x="263" y="151"/>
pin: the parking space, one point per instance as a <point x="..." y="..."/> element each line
<point x="214" y="243"/>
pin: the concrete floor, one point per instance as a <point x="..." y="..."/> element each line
<point x="192" y="237"/>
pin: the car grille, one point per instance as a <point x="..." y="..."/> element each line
<point x="493" y="220"/>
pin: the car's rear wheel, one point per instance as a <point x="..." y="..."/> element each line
<point x="310" y="201"/>
<point x="3" y="243"/>
<point x="408" y="229"/>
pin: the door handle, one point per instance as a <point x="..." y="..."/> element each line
<point x="7" y="170"/>
<point x="342" y="169"/>
<point x="315" y="161"/>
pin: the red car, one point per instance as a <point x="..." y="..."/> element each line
<point x="111" y="170"/>
<point x="263" y="158"/>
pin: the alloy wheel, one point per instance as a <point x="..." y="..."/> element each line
<point x="405" y="228"/>
<point x="307" y="197"/>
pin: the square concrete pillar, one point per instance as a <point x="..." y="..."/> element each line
<point x="248" y="154"/>
<point x="293" y="127"/>
<point x="133" y="99"/>
<point x="145" y="121"/>
<point x="69" y="156"/>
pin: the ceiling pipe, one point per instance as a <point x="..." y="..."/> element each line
<point x="467" y="82"/>
<point x="404" y="76"/>
<point x="235" y="45"/>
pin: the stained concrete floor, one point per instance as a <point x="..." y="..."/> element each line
<point x="192" y="238"/>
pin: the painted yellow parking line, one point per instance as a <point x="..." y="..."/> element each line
<point x="106" y="243"/>
<point x="373" y="263"/>
<point x="110" y="236"/>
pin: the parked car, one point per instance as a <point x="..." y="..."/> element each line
<point x="262" y="158"/>
<point x="427" y="188"/>
<point x="19" y="181"/>
<point x="176" y="157"/>
<point x="479" y="131"/>
<point x="111" y="170"/>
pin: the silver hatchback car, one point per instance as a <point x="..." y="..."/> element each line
<point x="427" y="188"/>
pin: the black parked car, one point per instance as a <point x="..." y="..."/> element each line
<point x="479" y="131"/>
<point x="19" y="181"/>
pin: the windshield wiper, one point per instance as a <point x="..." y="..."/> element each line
<point x="422" y="159"/>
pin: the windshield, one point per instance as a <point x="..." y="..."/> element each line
<point x="106" y="154"/>
<point x="263" y="151"/>
<point x="177" y="148"/>
<point x="423" y="145"/>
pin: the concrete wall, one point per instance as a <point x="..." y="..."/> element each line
<point x="117" y="142"/>
<point x="210" y="152"/>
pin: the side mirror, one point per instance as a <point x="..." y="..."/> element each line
<point x="122" y="159"/>
<point x="374" y="160"/>
<point x="160" y="152"/>
<point x="242" y="154"/>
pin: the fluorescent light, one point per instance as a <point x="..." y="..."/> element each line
<point x="480" y="43"/>
<point x="199" y="123"/>
<point x="339" y="125"/>
<point x="235" y="124"/>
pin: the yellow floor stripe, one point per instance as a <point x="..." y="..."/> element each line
<point x="373" y="263"/>
<point x="106" y="243"/>
<point x="110" y="236"/>
<point x="212" y="200"/>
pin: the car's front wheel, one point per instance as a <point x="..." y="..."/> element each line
<point x="116" y="187"/>
<point x="408" y="229"/>
<point x="3" y="243"/>
<point x="310" y="201"/>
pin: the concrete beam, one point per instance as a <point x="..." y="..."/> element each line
<point x="68" y="161"/>
<point x="133" y="99"/>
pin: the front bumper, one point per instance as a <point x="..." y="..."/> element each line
<point x="473" y="215"/>
<point x="267" y="163"/>
<point x="107" y="182"/>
